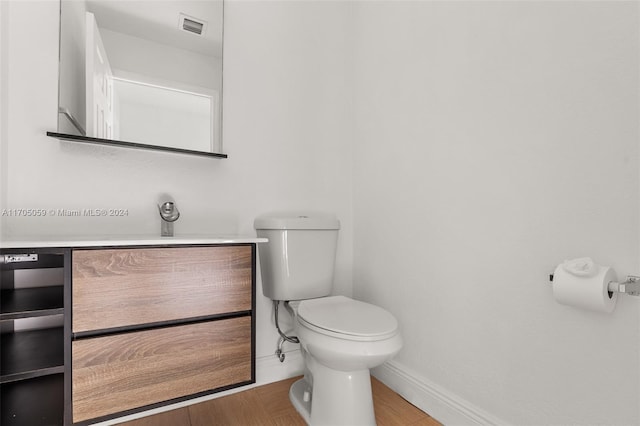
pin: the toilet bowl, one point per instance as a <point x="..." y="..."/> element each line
<point x="341" y="340"/>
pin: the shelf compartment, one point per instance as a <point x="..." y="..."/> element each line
<point x="33" y="353"/>
<point x="33" y="402"/>
<point x="31" y="302"/>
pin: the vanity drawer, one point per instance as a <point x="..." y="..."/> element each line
<point x="133" y="286"/>
<point x="121" y="372"/>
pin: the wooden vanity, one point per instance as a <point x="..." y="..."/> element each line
<point x="143" y="325"/>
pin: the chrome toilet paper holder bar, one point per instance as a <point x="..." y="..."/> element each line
<point x="631" y="286"/>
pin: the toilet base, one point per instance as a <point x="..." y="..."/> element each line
<point x="296" y="395"/>
<point x="335" y="398"/>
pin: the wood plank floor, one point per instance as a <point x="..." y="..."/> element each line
<point x="269" y="405"/>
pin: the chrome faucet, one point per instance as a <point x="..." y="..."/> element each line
<point x="168" y="213"/>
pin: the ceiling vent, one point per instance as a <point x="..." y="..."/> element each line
<point x="192" y="25"/>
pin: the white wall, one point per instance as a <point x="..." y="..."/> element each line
<point x="3" y="109"/>
<point x="165" y="117"/>
<point x="493" y="141"/>
<point x="286" y="132"/>
<point x="160" y="62"/>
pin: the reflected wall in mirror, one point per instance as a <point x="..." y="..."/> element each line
<point x="142" y="71"/>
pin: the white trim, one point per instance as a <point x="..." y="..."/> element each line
<point x="165" y="87"/>
<point x="440" y="403"/>
<point x="268" y="369"/>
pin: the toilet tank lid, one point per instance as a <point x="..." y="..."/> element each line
<point x="297" y="221"/>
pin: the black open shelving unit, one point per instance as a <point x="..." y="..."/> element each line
<point x="31" y="302"/>
<point x="45" y="349"/>
<point x="37" y="401"/>
<point x="32" y="360"/>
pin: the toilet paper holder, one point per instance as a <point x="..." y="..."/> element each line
<point x="631" y="286"/>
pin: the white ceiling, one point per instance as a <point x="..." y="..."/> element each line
<point x="157" y="20"/>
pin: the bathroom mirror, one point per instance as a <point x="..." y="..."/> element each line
<point x="142" y="74"/>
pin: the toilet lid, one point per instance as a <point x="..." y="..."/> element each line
<point x="348" y="317"/>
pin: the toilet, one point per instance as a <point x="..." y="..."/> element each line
<point x="341" y="339"/>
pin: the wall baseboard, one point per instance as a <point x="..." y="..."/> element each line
<point x="269" y="369"/>
<point x="441" y="404"/>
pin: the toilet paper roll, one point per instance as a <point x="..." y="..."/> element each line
<point x="586" y="291"/>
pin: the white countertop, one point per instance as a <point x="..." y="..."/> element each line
<point x="125" y="240"/>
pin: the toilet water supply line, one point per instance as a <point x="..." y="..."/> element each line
<point x="283" y="337"/>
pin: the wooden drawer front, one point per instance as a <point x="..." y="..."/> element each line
<point x="126" y="371"/>
<point x="123" y="287"/>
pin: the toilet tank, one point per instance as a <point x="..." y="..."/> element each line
<point x="298" y="261"/>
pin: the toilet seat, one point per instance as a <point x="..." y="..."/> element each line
<point x="345" y="318"/>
